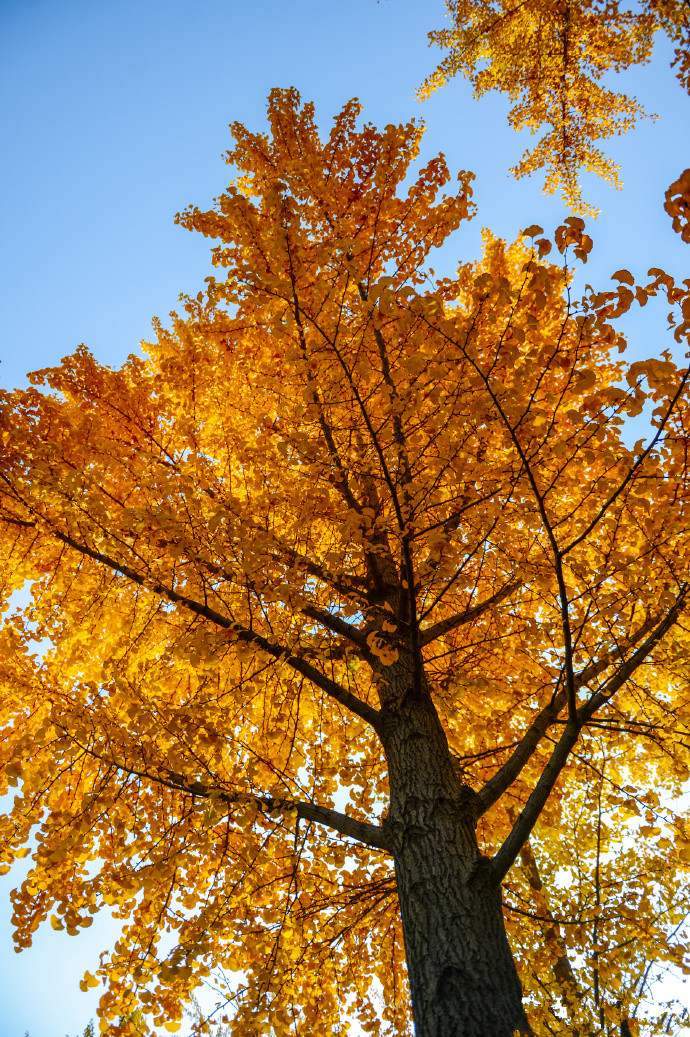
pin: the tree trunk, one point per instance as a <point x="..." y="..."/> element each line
<point x="462" y="975"/>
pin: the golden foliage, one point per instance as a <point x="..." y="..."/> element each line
<point x="550" y="57"/>
<point x="231" y="544"/>
<point x="677" y="205"/>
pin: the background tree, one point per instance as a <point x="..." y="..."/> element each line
<point x="550" y="57"/>
<point x="333" y="592"/>
<point x="88" y="1030"/>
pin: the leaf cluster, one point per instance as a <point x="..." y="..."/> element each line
<point x="552" y="58"/>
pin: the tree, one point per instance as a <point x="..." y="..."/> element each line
<point x="88" y="1030"/>
<point x="549" y="57"/>
<point x="348" y="598"/>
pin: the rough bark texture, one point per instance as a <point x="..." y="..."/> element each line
<point x="461" y="971"/>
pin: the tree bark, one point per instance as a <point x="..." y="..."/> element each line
<point x="461" y="971"/>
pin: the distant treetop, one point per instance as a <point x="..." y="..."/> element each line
<point x="549" y="57"/>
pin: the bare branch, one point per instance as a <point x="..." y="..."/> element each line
<point x="404" y="463"/>
<point x="638" y="463"/>
<point x="548" y="527"/>
<point x="344" y="585"/>
<point x="444" y="626"/>
<point x="356" y="585"/>
<point x="627" y="668"/>
<point x="562" y="968"/>
<point x="502" y="779"/>
<point x="326" y="429"/>
<point x="336" y="624"/>
<point x="362" y="831"/>
<point x="350" y="827"/>
<point x="504" y="858"/>
<point x="391" y="484"/>
<point x="331" y="687"/>
<point x="502" y="861"/>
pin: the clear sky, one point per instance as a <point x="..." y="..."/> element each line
<point x="114" y="117"/>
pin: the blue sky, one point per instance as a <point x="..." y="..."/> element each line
<point x="114" y="117"/>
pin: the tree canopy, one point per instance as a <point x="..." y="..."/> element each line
<point x="351" y="603"/>
<point x="550" y="57"/>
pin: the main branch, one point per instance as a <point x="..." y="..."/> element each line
<point x="504" y="858"/>
<point x="331" y="687"/>
<point x="444" y="626"/>
<point x="361" y="831"/>
<point x="503" y="779"/>
<point x="350" y="827"/>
